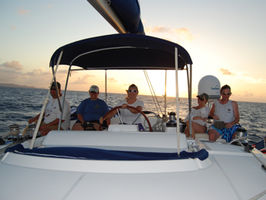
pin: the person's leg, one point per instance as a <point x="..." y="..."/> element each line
<point x="97" y="126"/>
<point x="77" y="126"/>
<point x="187" y="129"/>
<point x="197" y="128"/>
<point x="213" y="135"/>
<point x="46" y="130"/>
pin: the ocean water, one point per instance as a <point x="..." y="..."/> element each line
<point x="17" y="105"/>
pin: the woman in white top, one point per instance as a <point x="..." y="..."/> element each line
<point x="199" y="116"/>
<point x="129" y="115"/>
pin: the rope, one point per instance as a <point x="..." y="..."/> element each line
<point x="154" y="98"/>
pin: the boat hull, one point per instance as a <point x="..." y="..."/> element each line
<point x="228" y="173"/>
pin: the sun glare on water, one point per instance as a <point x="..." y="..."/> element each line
<point x="118" y="81"/>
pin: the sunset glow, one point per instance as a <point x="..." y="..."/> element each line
<point x="225" y="39"/>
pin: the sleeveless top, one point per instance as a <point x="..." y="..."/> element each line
<point x="202" y="112"/>
<point x="225" y="112"/>
<point x="129" y="117"/>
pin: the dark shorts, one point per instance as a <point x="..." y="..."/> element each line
<point x="90" y="124"/>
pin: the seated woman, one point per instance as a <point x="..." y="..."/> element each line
<point x="128" y="115"/>
<point x="199" y="116"/>
<point x="90" y="110"/>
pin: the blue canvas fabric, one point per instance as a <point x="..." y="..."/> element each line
<point x="101" y="154"/>
<point x="227" y="133"/>
<point x="129" y="14"/>
<point x="122" y="51"/>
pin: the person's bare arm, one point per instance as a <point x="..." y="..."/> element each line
<point x="80" y="118"/>
<point x="34" y="119"/>
<point x="236" y="115"/>
<point x="212" y="113"/>
<point x="139" y="108"/>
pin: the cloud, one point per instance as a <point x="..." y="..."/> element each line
<point x="49" y="6"/>
<point x="112" y="80"/>
<point x="82" y="80"/>
<point x="253" y="80"/>
<point x="184" y="33"/>
<point x="170" y="33"/>
<point x="13" y="28"/>
<point x="62" y="71"/>
<point x="38" y="73"/>
<point x="12" y="72"/>
<point x="13" y="65"/>
<point x="226" y="72"/>
<point x="23" y="11"/>
<point x="158" y="29"/>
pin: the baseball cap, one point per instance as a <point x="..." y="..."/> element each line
<point x="94" y="88"/>
<point x="203" y="96"/>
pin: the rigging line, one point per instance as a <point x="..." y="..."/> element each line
<point x="152" y="92"/>
<point x="154" y="96"/>
<point x="155" y="100"/>
<point x="149" y="84"/>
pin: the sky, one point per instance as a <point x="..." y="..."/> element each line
<point x="226" y="39"/>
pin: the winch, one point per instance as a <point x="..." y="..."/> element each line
<point x="172" y="120"/>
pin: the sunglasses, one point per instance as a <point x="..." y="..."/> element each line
<point x="93" y="92"/>
<point x="131" y="91"/>
<point x="227" y="94"/>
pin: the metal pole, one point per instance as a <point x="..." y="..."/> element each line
<point x="57" y="91"/>
<point x="44" y="104"/>
<point x="189" y="100"/>
<point x="64" y="97"/>
<point x="177" y="101"/>
<point x="106" y="86"/>
<point x="165" y="93"/>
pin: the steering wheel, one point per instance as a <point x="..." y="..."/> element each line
<point x="118" y="107"/>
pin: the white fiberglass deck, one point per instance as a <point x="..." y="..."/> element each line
<point x="223" y="175"/>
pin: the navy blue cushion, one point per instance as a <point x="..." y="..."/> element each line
<point x="101" y="154"/>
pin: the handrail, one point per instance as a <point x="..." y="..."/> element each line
<point x="44" y="105"/>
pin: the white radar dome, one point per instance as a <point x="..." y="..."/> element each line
<point x="210" y="85"/>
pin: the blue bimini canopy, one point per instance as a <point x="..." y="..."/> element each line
<point x="122" y="51"/>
